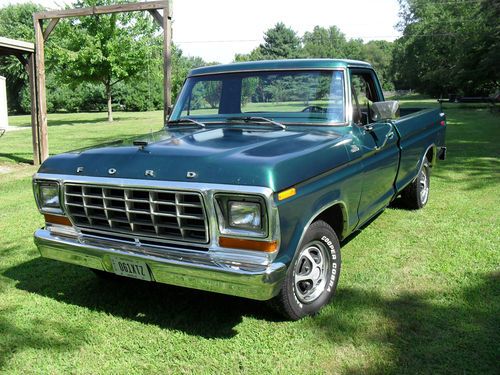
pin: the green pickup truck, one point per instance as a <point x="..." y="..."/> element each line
<point x="260" y="172"/>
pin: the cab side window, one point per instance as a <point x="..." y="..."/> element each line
<point x="364" y="93"/>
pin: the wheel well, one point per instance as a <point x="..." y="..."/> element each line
<point x="334" y="217"/>
<point x="430" y="155"/>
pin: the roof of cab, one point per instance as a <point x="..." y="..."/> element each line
<point x="278" y="65"/>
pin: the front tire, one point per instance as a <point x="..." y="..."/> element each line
<point x="312" y="276"/>
<point x="416" y="195"/>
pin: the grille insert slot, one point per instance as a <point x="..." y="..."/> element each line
<point x="160" y="214"/>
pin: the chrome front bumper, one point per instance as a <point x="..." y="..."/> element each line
<point x="198" y="270"/>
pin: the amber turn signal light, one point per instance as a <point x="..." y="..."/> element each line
<point x="55" y="219"/>
<point x="287" y="194"/>
<point x="238" y="243"/>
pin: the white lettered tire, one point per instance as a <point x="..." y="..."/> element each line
<point x="312" y="276"/>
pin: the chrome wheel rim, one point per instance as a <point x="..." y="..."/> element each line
<point x="311" y="271"/>
<point x="424" y="185"/>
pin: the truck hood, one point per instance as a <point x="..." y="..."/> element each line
<point x="270" y="158"/>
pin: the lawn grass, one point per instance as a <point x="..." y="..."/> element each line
<point x="75" y="130"/>
<point x="419" y="291"/>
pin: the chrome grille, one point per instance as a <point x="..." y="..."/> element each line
<point x="163" y="214"/>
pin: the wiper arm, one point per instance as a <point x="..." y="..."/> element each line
<point x="186" y="120"/>
<point x="257" y="118"/>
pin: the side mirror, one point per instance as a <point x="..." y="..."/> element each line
<point x="385" y="110"/>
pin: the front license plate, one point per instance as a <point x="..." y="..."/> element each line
<point x="130" y="268"/>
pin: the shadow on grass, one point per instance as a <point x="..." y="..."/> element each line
<point x="426" y="333"/>
<point x="199" y="313"/>
<point x="16" y="158"/>
<point x="102" y="120"/>
<point x="473" y="152"/>
<point x="99" y="120"/>
<point x="424" y="336"/>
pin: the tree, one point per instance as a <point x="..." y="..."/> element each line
<point x="280" y="42"/>
<point x="104" y="49"/>
<point x="448" y="47"/>
<point x="379" y="54"/>
<point x="325" y="43"/>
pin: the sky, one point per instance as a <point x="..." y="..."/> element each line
<point x="218" y="29"/>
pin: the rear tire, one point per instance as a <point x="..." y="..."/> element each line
<point x="312" y="276"/>
<point x="416" y="195"/>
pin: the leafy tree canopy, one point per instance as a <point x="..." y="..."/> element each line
<point x="105" y="49"/>
<point x="280" y="42"/>
<point x="448" y="47"/>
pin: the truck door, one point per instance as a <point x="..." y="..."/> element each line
<point x="378" y="145"/>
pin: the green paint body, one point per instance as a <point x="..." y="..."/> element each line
<point x="327" y="164"/>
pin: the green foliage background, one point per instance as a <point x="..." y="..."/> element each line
<point x="447" y="47"/>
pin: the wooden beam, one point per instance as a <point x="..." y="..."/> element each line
<point x="53" y="22"/>
<point x="40" y="86"/>
<point x="35" y="135"/>
<point x="167" y="59"/>
<point x="157" y="16"/>
<point x="22" y="60"/>
<point x="117" y="8"/>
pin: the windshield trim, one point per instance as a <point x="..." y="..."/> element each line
<point x="256" y="123"/>
<point x="346" y="100"/>
<point x="267" y="70"/>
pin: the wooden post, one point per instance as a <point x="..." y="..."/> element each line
<point x="40" y="86"/>
<point x="30" y="67"/>
<point x="55" y="15"/>
<point x="167" y="56"/>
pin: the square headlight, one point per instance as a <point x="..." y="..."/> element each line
<point x="243" y="216"/>
<point x="48" y="196"/>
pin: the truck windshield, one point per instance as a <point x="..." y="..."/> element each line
<point x="294" y="97"/>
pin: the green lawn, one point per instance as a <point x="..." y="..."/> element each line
<point x="419" y="291"/>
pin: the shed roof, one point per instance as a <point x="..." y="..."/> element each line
<point x="15" y="47"/>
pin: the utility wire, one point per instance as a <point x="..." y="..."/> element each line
<point x="354" y="37"/>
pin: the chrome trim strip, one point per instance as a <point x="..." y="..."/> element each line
<point x="194" y="270"/>
<point x="258" y="127"/>
<point x="266" y="70"/>
<point x="347" y="99"/>
<point x="154" y="184"/>
<point x="345" y="226"/>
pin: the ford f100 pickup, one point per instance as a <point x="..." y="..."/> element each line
<point x="259" y="173"/>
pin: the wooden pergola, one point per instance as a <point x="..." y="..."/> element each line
<point x="25" y="51"/>
<point x="42" y="33"/>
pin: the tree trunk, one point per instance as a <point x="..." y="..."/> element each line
<point x="110" y="106"/>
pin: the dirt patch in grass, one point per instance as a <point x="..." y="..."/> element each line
<point x="4" y="170"/>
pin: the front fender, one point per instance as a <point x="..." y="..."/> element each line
<point x="340" y="186"/>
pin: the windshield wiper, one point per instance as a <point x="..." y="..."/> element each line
<point x="186" y="120"/>
<point x="257" y="119"/>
